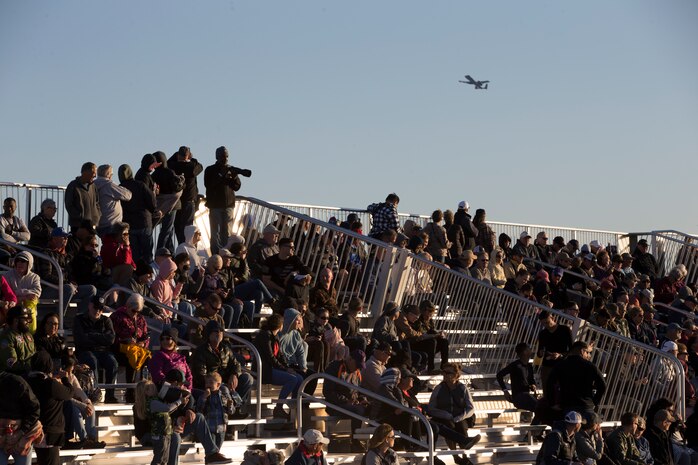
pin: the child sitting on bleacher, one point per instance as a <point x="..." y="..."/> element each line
<point x="149" y="407"/>
<point x="216" y="403"/>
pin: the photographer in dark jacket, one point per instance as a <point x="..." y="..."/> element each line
<point x="185" y="165"/>
<point x="221" y="181"/>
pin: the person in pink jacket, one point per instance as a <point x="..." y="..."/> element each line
<point x="167" y="358"/>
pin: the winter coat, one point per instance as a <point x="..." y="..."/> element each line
<point x="82" y="203"/>
<point x="291" y="342"/>
<point x="189" y="248"/>
<point x="190" y="170"/>
<point x="137" y="212"/>
<point x="220" y="188"/>
<point x="110" y="197"/>
<point x="115" y="253"/>
<point x="163" y="361"/>
<point x="30" y="283"/>
<point x="93" y="335"/>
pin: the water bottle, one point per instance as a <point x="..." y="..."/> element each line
<point x="145" y="374"/>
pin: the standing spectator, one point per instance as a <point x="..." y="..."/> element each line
<point x="25" y="284"/>
<point x="110" y="197"/>
<point x="621" y="444"/>
<point x="464" y="220"/>
<point x="170" y="186"/>
<point x="454" y="234"/>
<point x="18" y="404"/>
<point x="560" y="446"/>
<point x="51" y="393"/>
<point x="309" y="450"/>
<point x="12" y="228"/>
<point x="554" y="341"/>
<point x="94" y="335"/>
<point x="524" y="392"/>
<point x="221" y="181"/>
<point x="82" y="199"/>
<point x="385" y="217"/>
<point x="140" y="213"/>
<point x="581" y="384"/>
<point x="41" y="225"/>
<point x="16" y="342"/>
<point x="644" y="262"/>
<point x="438" y="243"/>
<point x="485" y="234"/>
<point x="380" y="447"/>
<point x="185" y="165"/>
<point x="144" y="173"/>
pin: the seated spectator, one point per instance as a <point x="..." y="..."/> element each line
<point x="275" y="369"/>
<point x="324" y="340"/>
<point x="542" y="248"/>
<point x="451" y="405"/>
<point x="265" y="247"/>
<point x="384" y="330"/>
<point x="79" y="412"/>
<point x="16" y="342"/>
<point x="284" y="272"/>
<point x="558" y="290"/>
<point x="93" y="334"/>
<point x="560" y="445"/>
<point x="51" y="393"/>
<point x="347" y="369"/>
<point x="186" y="301"/>
<point x="12" y="228"/>
<point x="210" y="309"/>
<point x="463" y="263"/>
<point x="41" y="225"/>
<point x="643" y="261"/>
<point x="496" y="267"/>
<point x="541" y="288"/>
<point x="86" y="268"/>
<point x="47" y="338"/>
<point x="480" y="270"/>
<point x="168" y="358"/>
<point x="384" y="413"/>
<point x="405" y="331"/>
<point x="514" y="285"/>
<point x="49" y="273"/>
<point x="375" y="366"/>
<point x="260" y="457"/>
<point x="8" y="299"/>
<point x="116" y="254"/>
<point x="514" y="264"/>
<point x="214" y="284"/>
<point x="309" y="450"/>
<point x="245" y="288"/>
<point x="524" y="392"/>
<point x="433" y="341"/>
<point x="190" y="246"/>
<point x="294" y="348"/>
<point x="163" y="288"/>
<point x="527" y="250"/>
<point x="217" y="405"/>
<point x="589" y="442"/>
<point x="643" y="445"/>
<point x="380" y="447"/>
<point x="130" y="329"/>
<point x="215" y="355"/>
<point x="323" y="295"/>
<point x="25" y="284"/>
<point x="659" y="438"/>
<point x="348" y="325"/>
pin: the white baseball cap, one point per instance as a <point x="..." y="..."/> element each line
<point x="313" y="436"/>
<point x="463" y="204"/>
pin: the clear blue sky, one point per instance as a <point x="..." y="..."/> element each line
<point x="591" y="118"/>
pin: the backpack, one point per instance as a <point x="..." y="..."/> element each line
<point x="87" y="381"/>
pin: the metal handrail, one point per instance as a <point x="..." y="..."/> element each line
<point x="58" y="287"/>
<point x="429" y="445"/>
<point x="569" y="272"/>
<point x="669" y="308"/>
<point x="240" y="340"/>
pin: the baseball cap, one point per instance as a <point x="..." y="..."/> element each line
<point x="668" y="346"/>
<point x="557" y="271"/>
<point x="313" y="436"/>
<point x="384" y="346"/>
<point x="59" y="232"/>
<point x="463" y="204"/>
<point x="270" y="229"/>
<point x="163" y="252"/>
<point x="574" y="418"/>
<point x="524" y="234"/>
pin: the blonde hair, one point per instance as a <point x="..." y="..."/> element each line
<point x="140" y="406"/>
<point x="215" y="376"/>
<point x="380" y="435"/>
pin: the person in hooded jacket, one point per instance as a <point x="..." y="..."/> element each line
<point x="51" y="393"/>
<point x="163" y="288"/>
<point x="170" y="186"/>
<point x="144" y="173"/>
<point x="140" y="213"/>
<point x="294" y="348"/>
<point x="192" y="236"/>
<point x="189" y="167"/>
<point x="110" y="197"/>
<point x="25" y="284"/>
<point x="168" y="358"/>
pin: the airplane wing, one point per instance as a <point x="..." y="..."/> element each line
<point x="483" y="82"/>
<point x="470" y="79"/>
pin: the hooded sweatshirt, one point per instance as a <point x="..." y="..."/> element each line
<point x="110" y="197"/>
<point x="30" y="283"/>
<point x="189" y="248"/>
<point x="162" y="288"/>
<point x="169" y="183"/>
<point x="291" y="342"/>
<point x="137" y="212"/>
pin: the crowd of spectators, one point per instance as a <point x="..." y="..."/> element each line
<point x="310" y="330"/>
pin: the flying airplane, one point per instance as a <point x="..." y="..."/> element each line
<point x="477" y="84"/>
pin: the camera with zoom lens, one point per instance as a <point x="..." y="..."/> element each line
<point x="235" y="171"/>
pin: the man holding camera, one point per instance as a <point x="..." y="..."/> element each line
<point x="221" y="181"/>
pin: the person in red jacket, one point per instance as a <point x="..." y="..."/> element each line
<point x="116" y="254"/>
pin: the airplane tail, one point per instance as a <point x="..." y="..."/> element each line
<point x="485" y="86"/>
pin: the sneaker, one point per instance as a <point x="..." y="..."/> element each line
<point x="472" y="441"/>
<point x="280" y="414"/>
<point x="462" y="460"/>
<point x="111" y="399"/>
<point x="93" y="444"/>
<point x="217" y="457"/>
<point x="72" y="445"/>
<point x="238" y="415"/>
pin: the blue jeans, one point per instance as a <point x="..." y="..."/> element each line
<point x="101" y="360"/>
<point x="199" y="428"/>
<point x="142" y="244"/>
<point x="245" y="381"/>
<point x="289" y="382"/>
<point x="161" y="449"/>
<point x="231" y="313"/>
<point x="78" y="424"/>
<point x="254" y="289"/>
<point x="186" y="307"/>
<point x="183" y="218"/>
<point x="166" y="236"/>
<point x="220" y="219"/>
<point x="19" y="459"/>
